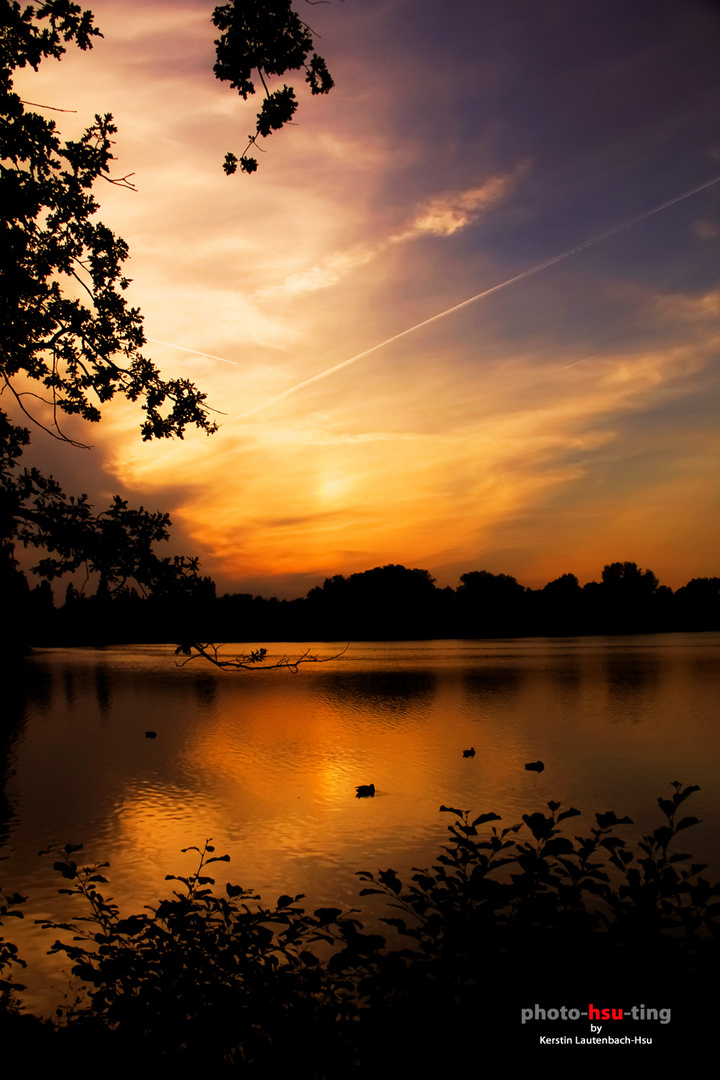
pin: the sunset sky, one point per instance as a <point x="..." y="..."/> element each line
<point x="564" y="421"/>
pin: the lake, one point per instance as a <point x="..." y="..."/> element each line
<point x="266" y="763"/>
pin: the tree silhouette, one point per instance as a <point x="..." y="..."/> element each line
<point x="268" y="38"/>
<point x="561" y="605"/>
<point x="70" y="341"/>
<point x="698" y="604"/>
<point x="492" y="604"/>
<point x="399" y="600"/>
<point x="628" y="598"/>
<point x="627" y="579"/>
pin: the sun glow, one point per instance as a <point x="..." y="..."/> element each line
<point x="563" y="409"/>
<point x="334" y="489"/>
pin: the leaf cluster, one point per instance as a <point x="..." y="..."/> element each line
<point x="28" y="34"/>
<point x="117" y="543"/>
<point x="9" y="905"/>
<point x="268" y="39"/>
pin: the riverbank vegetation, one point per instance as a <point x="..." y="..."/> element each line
<point x="546" y="910"/>
<point x="386" y="603"/>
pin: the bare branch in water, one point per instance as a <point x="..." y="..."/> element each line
<point x="252" y="661"/>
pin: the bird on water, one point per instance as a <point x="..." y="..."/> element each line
<point x="365" y="791"/>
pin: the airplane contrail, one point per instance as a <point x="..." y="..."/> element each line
<point x="584" y="360"/>
<point x="195" y="352"/>
<point x="481" y="295"/>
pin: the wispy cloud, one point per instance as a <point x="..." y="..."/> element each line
<point x="328" y="273"/>
<point x="454" y="210"/>
<point x="692" y="309"/>
<point x="706" y="229"/>
<point x="572" y="414"/>
<point x="443" y="215"/>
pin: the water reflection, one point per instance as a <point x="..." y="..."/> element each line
<point x="488" y="681"/>
<point x="35" y="685"/>
<point x="103" y="689"/>
<point x="10" y="730"/>
<point x="267" y="764"/>
<point x="394" y="690"/>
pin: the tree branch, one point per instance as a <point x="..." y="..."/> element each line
<point x="252" y="661"/>
<point x="59" y="435"/>
<point x="121" y="181"/>
<point x="53" y="108"/>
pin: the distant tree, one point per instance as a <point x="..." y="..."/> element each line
<point x="558" y="606"/>
<point x="565" y="585"/>
<point x="491" y="604"/>
<point x="394" y="578"/>
<point x="627" y="578"/>
<point x="482" y="585"/>
<point x="628" y="599"/>
<point x="391" y="601"/>
<point x="697" y="604"/>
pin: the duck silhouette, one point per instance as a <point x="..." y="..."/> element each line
<point x="365" y="791"/>
<point x="535" y="766"/>
<point x="470" y="752"/>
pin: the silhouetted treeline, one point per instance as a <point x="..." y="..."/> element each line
<point x="385" y="603"/>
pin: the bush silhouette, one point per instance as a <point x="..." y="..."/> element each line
<point x="209" y="977"/>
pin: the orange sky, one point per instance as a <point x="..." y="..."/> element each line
<point x="566" y="421"/>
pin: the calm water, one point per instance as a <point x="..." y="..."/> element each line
<point x="267" y="763"/>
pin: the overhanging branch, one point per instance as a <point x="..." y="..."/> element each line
<point x="252" y="661"/>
